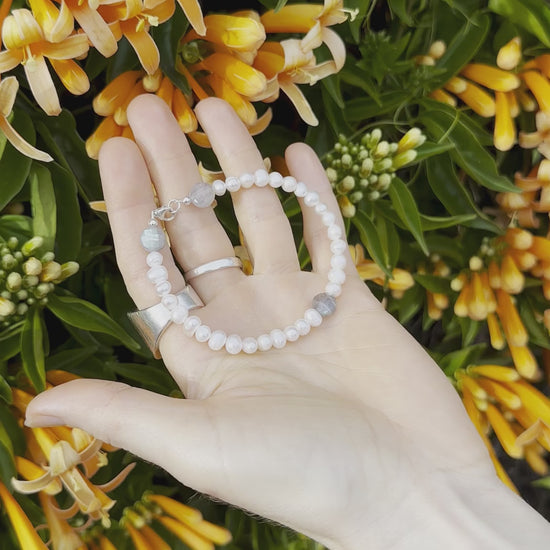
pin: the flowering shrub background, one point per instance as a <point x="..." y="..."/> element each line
<point x="433" y="122"/>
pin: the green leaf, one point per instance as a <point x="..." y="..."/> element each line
<point x="10" y="341"/>
<point x="14" y="166"/>
<point x="361" y="108"/>
<point x="153" y="378"/>
<point x="532" y="15"/>
<point x="399" y="8"/>
<point x="409" y="305"/>
<point x="32" y="349"/>
<point x="13" y="225"/>
<point x="470" y="329"/>
<point x="87" y="316"/>
<point x="461" y="359"/>
<point x="5" y="390"/>
<point x="7" y="460"/>
<point x="389" y="239"/>
<point x="404" y="204"/>
<point x="448" y="188"/>
<point x="44" y="208"/>
<point x="433" y="283"/>
<point x="538" y="334"/>
<point x="68" y="359"/>
<point x="447" y="124"/>
<point x="371" y="241"/>
<point x="429" y="223"/>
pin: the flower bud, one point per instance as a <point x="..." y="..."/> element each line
<point x="13" y="242"/>
<point x="475" y="263"/>
<point x="509" y="55"/>
<point x="403" y="158"/>
<point x="42" y="290"/>
<point x="67" y="269"/>
<point x="33" y="266"/>
<point x="47" y="257"/>
<point x="374" y="195"/>
<point x="14" y="281"/>
<point x="412" y="139"/>
<point x="356" y="196"/>
<point x="366" y="167"/>
<point x="384" y="182"/>
<point x="346" y="207"/>
<point x="32" y="246"/>
<point x="22" y="309"/>
<point x="30" y="281"/>
<point x="22" y="295"/>
<point x="363" y="183"/>
<point x="382" y="150"/>
<point x="348" y="183"/>
<point x="7" y="307"/>
<point x="383" y="165"/>
<point x="332" y="175"/>
<point x="346" y="160"/>
<point x="9" y="262"/>
<point x="50" y="272"/>
<point x="437" y="49"/>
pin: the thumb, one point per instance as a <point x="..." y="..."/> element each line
<point x="172" y="433"/>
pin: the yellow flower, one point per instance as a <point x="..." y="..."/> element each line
<point x="8" y="91"/>
<point x="26" y="535"/>
<point x="25" y="44"/>
<point x="135" y="19"/>
<point x="193" y="12"/>
<point x="62" y="535"/>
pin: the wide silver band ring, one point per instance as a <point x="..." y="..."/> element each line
<point x="151" y="322"/>
<point x="214" y="265"/>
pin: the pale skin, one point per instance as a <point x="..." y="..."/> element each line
<point x="351" y="435"/>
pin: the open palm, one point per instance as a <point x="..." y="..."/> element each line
<point x="346" y="426"/>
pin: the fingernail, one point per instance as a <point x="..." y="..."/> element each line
<point x="42" y="420"/>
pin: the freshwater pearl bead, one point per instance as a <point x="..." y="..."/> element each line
<point x="264" y="342"/>
<point x="337" y="246"/>
<point x="301" y="189"/>
<point x="313" y="317"/>
<point x="337" y="276"/>
<point x="152" y="238"/>
<point x="154" y="258"/>
<point x="262" y="177"/>
<point x="217" y="340"/>
<point x="250" y="344"/>
<point x="324" y="304"/>
<point x="275" y="179"/>
<point x="202" y="195"/>
<point x="163" y="288"/>
<point x="169" y="301"/>
<point x="338" y="261"/>
<point x="234" y="344"/>
<point x="157" y="274"/>
<point x="311" y="198"/>
<point x="333" y="289"/>
<point x="278" y="338"/>
<point x="232" y="184"/>
<point x="219" y="187"/>
<point x="291" y="333"/>
<point x="321" y="208"/>
<point x="179" y="315"/>
<point x="289" y="184"/>
<point x="246" y="181"/>
<point x="203" y="333"/>
<point x="302" y="326"/>
<point x="334" y="232"/>
<point x="328" y="218"/>
<point x="190" y="325"/>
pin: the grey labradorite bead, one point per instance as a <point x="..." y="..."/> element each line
<point x="202" y="195"/>
<point x="324" y="303"/>
<point x="153" y="238"/>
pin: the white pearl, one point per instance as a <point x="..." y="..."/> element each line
<point x="302" y="326"/>
<point x="338" y="261"/>
<point x="313" y="317"/>
<point x="217" y="340"/>
<point x="291" y="333"/>
<point x="203" y="333"/>
<point x="154" y="258"/>
<point x="278" y="338"/>
<point x="321" y="208"/>
<point x="275" y="179"/>
<point x="163" y="288"/>
<point x="334" y="232"/>
<point x="190" y="325"/>
<point x="169" y="301"/>
<point x="234" y="344"/>
<point x="311" y="199"/>
<point x="157" y="274"/>
<point x="250" y="344"/>
<point x="333" y="289"/>
<point x="232" y="184"/>
<point x="246" y="180"/>
<point x="328" y="218"/>
<point x="264" y="342"/>
<point x="337" y="246"/>
<point x="219" y="187"/>
<point x="337" y="276"/>
<point x="262" y="177"/>
<point x="289" y="184"/>
<point x="301" y="189"/>
<point x="179" y="315"/>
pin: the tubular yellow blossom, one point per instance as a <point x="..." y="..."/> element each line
<point x="505" y="129"/>
<point x="154" y="540"/>
<point x="512" y="279"/>
<point x="186" y="534"/>
<point x="488" y="292"/>
<point x="465" y="381"/>
<point x="62" y="535"/>
<point x="434" y="312"/>
<point x="176" y="509"/>
<point x="501" y="394"/>
<point x="478" y="100"/>
<point x="533" y="457"/>
<point x="107" y="128"/>
<point x="491" y="77"/>
<point x="182" y="111"/>
<point x="477" y="304"/>
<point x="509" y="55"/>
<point x="533" y="400"/>
<point x="504" y="432"/>
<point x="461" y="303"/>
<point x="539" y="86"/>
<point x="26" y="534"/>
<point x="541" y="248"/>
<point x="524" y="259"/>
<point x="516" y="335"/>
<point x="437" y="49"/>
<point x="235" y="32"/>
<point x="441" y="301"/>
<point x="115" y="93"/>
<point x="456" y="85"/>
<point x="443" y="97"/>
<point x="495" y="334"/>
<point x="525" y="361"/>
<point x="495" y="372"/>
<point x="139" y="541"/>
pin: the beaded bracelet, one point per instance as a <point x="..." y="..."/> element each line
<point x="202" y="195"/>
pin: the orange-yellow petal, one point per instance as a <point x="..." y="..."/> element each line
<point x="495" y="334"/>
<point x="539" y="86"/>
<point x="505" y="129"/>
<point x="73" y="77"/>
<point x="512" y="279"/>
<point x="57" y="24"/>
<point x="42" y="86"/>
<point x="115" y="93"/>
<point x="524" y="361"/>
<point x="504" y="432"/>
<point x="186" y="534"/>
<point x="144" y="46"/>
<point x="478" y="100"/>
<point x="491" y="77"/>
<point x="193" y="12"/>
<point x="509" y="55"/>
<point x="242" y="106"/>
<point x="182" y="111"/>
<point x="237" y="33"/>
<point x="298" y="100"/>
<point x="516" y="335"/>
<point x="107" y="128"/>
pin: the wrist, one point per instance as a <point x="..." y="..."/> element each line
<point x="462" y="513"/>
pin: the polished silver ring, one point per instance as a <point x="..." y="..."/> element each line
<point x="214" y="265"/>
<point x="152" y="322"/>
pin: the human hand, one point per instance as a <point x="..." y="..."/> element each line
<point x="342" y="435"/>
